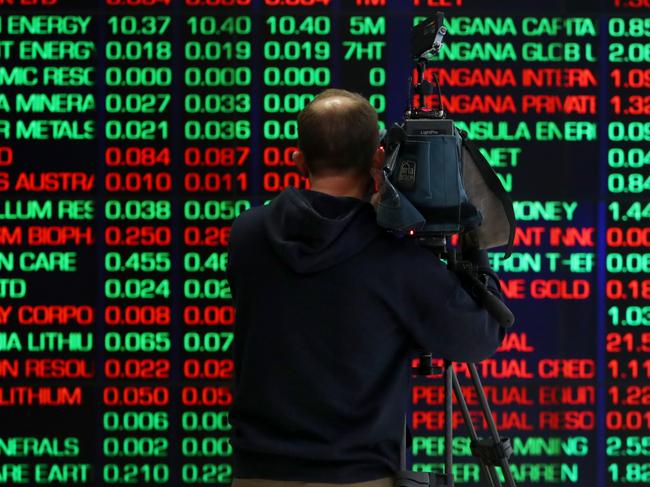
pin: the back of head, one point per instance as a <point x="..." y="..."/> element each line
<point x="338" y="132"/>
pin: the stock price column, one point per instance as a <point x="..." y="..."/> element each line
<point x="138" y="75"/>
<point x="297" y="65"/>
<point x="362" y="28"/>
<point x="628" y="257"/>
<point x="217" y="85"/>
<point x="48" y="145"/>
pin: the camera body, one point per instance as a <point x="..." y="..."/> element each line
<point x="436" y="182"/>
<point x="427" y="170"/>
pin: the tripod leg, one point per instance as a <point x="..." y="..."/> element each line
<point x="485" y="407"/>
<point x="449" y="424"/>
<point x="489" y="472"/>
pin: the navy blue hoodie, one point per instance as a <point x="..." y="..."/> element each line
<point x="330" y="311"/>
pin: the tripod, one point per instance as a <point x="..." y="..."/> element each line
<point x="491" y="452"/>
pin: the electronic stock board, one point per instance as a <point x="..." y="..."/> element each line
<point x="133" y="132"/>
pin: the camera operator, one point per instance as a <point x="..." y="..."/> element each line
<point x="331" y="309"/>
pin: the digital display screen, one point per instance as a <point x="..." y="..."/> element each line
<point x="133" y="133"/>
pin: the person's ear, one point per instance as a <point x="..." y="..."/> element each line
<point x="378" y="158"/>
<point x="376" y="172"/>
<point x="298" y="158"/>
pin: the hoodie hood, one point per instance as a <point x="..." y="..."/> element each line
<point x="312" y="231"/>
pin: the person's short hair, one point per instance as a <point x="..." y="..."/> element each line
<point x="338" y="132"/>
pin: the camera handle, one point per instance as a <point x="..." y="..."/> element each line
<point x="471" y="283"/>
<point x="494" y="306"/>
<point x="491" y="452"/>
